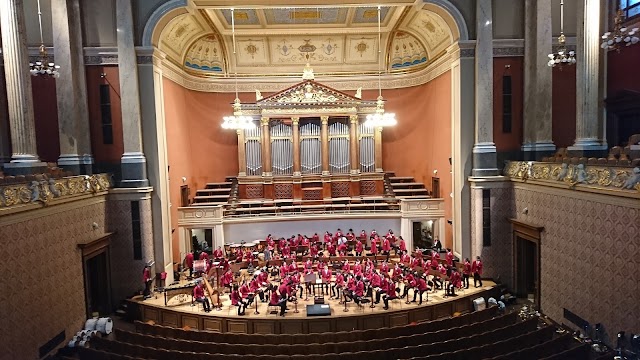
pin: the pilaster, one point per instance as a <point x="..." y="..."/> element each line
<point x="24" y="159"/>
<point x="133" y="162"/>
<point x="71" y="88"/>
<point x="353" y="144"/>
<point x="5" y="140"/>
<point x="242" y="158"/>
<point x="324" y="139"/>
<point x="537" y="81"/>
<point x="589" y="119"/>
<point x="484" y="150"/>
<point x="295" y="126"/>
<point x="377" y="143"/>
<point x="266" y="147"/>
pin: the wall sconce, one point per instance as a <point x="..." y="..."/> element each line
<point x="184" y="179"/>
<point x="435" y="172"/>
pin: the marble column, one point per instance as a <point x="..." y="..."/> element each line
<point x="133" y="162"/>
<point x="242" y="159"/>
<point x="266" y="147"/>
<point x="377" y="152"/>
<point x="353" y="144"/>
<point x="5" y="141"/>
<point x="295" y="126"/>
<point x="24" y="159"/>
<point x="484" y="150"/>
<point x="537" y="134"/>
<point x="324" y="139"/>
<point x="71" y="88"/>
<point x="589" y="118"/>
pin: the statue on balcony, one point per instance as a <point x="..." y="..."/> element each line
<point x="564" y="169"/>
<point x="35" y="191"/>
<point x="633" y="179"/>
<point x="581" y="175"/>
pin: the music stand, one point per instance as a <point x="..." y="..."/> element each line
<point x="372" y="305"/>
<point x="308" y="280"/>
<point x="256" y="301"/>
<point x="345" y="302"/>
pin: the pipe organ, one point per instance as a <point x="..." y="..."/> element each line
<point x="311" y="140"/>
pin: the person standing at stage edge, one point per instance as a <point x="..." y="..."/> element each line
<point x="476" y="269"/>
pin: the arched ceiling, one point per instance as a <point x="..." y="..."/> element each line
<point x="274" y="39"/>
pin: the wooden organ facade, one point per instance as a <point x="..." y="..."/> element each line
<point x="311" y="145"/>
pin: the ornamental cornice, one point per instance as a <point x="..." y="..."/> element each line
<point x="613" y="180"/>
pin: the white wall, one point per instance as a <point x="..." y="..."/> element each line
<point x="235" y="233"/>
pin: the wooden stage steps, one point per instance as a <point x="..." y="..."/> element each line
<point x="405" y="187"/>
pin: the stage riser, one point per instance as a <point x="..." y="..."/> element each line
<point x="235" y="233"/>
<point x="273" y="324"/>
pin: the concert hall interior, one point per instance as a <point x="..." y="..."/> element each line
<point x="278" y="179"/>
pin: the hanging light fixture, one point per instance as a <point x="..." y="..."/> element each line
<point x="237" y="121"/>
<point x="380" y="118"/>
<point x="562" y="56"/>
<point x="613" y="40"/>
<point x="42" y="66"/>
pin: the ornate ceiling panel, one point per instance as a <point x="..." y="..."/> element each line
<point x="279" y="41"/>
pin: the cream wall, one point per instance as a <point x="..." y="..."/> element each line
<point x="42" y="286"/>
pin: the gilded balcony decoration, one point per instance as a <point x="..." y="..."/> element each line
<point x="571" y="175"/>
<point x="45" y="190"/>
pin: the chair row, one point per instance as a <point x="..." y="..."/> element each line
<point x="354" y="335"/>
<point x="448" y="346"/>
<point x="549" y="348"/>
<point x="498" y="347"/>
<point x="392" y="341"/>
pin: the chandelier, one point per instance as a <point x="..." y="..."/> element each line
<point x="614" y="39"/>
<point x="562" y="56"/>
<point x="42" y="66"/>
<point x="237" y="121"/>
<point x="380" y="118"/>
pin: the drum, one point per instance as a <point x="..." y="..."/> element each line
<point x="104" y="325"/>
<point x="199" y="266"/>
<point x="90" y="324"/>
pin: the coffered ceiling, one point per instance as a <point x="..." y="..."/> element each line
<point x="279" y="38"/>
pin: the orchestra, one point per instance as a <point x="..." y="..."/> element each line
<point x="281" y="279"/>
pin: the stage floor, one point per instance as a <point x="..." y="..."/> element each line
<point x="337" y="310"/>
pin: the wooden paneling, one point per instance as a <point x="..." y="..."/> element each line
<point x="442" y="310"/>
<point x="170" y="318"/>
<point x="212" y="324"/>
<point x="292" y="327"/>
<point x="354" y="188"/>
<point x="326" y="189"/>
<point x="264" y="327"/>
<point x="347" y="324"/>
<point x="149" y="313"/>
<point x="266" y="324"/>
<point x="373" y="322"/>
<point x="191" y="321"/>
<point x="318" y="326"/>
<point x="238" y="326"/>
<point x="400" y="319"/>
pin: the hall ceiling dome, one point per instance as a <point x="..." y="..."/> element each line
<point x="277" y="39"/>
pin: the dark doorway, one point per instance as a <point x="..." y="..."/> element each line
<point x="526" y="259"/>
<point x="98" y="285"/>
<point x="184" y="195"/>
<point x="417" y="235"/>
<point x="435" y="187"/>
<point x="208" y="237"/>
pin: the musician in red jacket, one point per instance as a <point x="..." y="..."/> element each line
<point x="390" y="295"/>
<point x="374" y="246"/>
<point x="476" y="269"/>
<point x="359" y="248"/>
<point x="188" y="262"/>
<point x="217" y="253"/>
<point x="325" y="275"/>
<point x="359" y="291"/>
<point x="331" y="249"/>
<point x="449" y="257"/>
<point x="339" y="284"/>
<point x="386" y="247"/>
<point x="146" y="278"/>
<point x="466" y="271"/>
<point x="402" y="245"/>
<point x="363" y="235"/>
<point x="435" y="259"/>
<point x="198" y="295"/>
<point x="277" y="300"/>
<point x="454" y="282"/>
<point x="204" y="256"/>
<point x="421" y="288"/>
<point x="237" y="300"/>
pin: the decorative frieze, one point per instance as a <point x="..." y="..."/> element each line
<point x="577" y="176"/>
<point x="44" y="191"/>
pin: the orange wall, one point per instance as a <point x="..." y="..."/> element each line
<point x="104" y="153"/>
<point x="508" y="66"/>
<point x="200" y="150"/>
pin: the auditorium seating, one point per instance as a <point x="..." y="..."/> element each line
<point x="479" y="335"/>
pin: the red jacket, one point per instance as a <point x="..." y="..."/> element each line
<point x="476" y="267"/>
<point x="449" y="258"/>
<point x="204" y="256"/>
<point x="359" y="246"/>
<point x="146" y="274"/>
<point x="455" y="279"/>
<point x="189" y="260"/>
<point x="403" y="245"/>
<point x="374" y="247"/>
<point x="198" y="292"/>
<point x="359" y="288"/>
<point x="217" y="253"/>
<point x="386" y="245"/>
<point x="467" y="268"/>
<point x="422" y="284"/>
<point x="326" y="275"/>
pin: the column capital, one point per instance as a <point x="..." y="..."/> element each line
<point x="324" y="119"/>
<point x="295" y="120"/>
<point x="353" y="119"/>
<point x="264" y="120"/>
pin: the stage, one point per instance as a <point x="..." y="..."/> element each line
<point x="183" y="314"/>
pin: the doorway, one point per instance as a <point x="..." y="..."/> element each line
<point x="526" y="262"/>
<point x="98" y="285"/>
